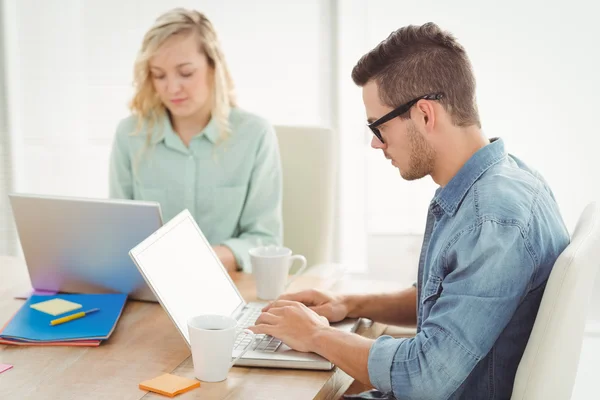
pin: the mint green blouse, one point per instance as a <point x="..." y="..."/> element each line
<point x="233" y="188"/>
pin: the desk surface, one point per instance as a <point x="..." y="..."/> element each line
<point x="145" y="344"/>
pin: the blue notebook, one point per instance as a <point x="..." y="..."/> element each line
<point x="33" y="325"/>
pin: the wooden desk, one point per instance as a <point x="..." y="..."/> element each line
<point x="145" y="344"/>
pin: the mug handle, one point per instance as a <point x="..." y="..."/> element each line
<point x="302" y="268"/>
<point x="246" y="332"/>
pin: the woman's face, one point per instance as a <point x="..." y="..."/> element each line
<point x="182" y="76"/>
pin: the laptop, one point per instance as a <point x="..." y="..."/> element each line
<point x="188" y="279"/>
<point x="76" y="245"/>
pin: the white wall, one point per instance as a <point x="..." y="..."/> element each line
<point x="7" y="234"/>
<point x="70" y="68"/>
<point x="69" y="81"/>
<point x="350" y="36"/>
<point x="72" y="61"/>
<point x="537" y="66"/>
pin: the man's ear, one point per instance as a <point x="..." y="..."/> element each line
<point x="426" y="113"/>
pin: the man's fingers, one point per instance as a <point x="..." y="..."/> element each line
<point x="283" y="303"/>
<point x="306" y="297"/>
<point x="263" y="329"/>
<point x="267" y="318"/>
<point x="322" y="310"/>
<point x="277" y="303"/>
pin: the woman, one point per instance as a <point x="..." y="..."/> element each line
<point x="187" y="145"/>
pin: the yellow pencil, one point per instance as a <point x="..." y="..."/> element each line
<point x="72" y="317"/>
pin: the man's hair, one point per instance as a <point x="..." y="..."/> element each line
<point x="418" y="60"/>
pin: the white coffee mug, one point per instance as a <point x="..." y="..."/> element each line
<point x="271" y="267"/>
<point x="212" y="338"/>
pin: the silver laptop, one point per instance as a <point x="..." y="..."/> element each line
<point x="75" y="245"/>
<point x="188" y="279"/>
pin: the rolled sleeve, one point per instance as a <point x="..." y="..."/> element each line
<point x="261" y="221"/>
<point x="239" y="248"/>
<point x="381" y="357"/>
<point x="476" y="301"/>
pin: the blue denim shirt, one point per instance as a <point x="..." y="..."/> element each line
<point x="493" y="234"/>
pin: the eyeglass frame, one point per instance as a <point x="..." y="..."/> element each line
<point x="398" y="111"/>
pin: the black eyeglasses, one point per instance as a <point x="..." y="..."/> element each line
<point x="396" y="112"/>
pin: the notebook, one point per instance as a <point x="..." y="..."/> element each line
<point x="76" y="343"/>
<point x="69" y="343"/>
<point x="31" y="325"/>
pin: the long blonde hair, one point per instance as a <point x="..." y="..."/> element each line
<point x="146" y="103"/>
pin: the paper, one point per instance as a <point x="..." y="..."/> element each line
<point x="74" y="343"/>
<point x="56" y="306"/>
<point x="5" y="367"/>
<point x="169" y="385"/>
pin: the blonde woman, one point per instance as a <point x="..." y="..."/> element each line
<point x="187" y="144"/>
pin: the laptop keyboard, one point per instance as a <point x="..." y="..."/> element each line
<point x="262" y="342"/>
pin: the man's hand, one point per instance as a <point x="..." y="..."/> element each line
<point x="291" y="322"/>
<point x="302" y="329"/>
<point x="333" y="307"/>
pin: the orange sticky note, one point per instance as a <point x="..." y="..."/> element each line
<point x="169" y="385"/>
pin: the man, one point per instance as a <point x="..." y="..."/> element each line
<point x="492" y="236"/>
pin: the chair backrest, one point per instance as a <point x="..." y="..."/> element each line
<point x="309" y="162"/>
<point x="549" y="365"/>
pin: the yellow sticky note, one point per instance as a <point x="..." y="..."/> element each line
<point x="55" y="306"/>
<point x="169" y="385"/>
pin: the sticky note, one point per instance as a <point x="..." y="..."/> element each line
<point x="5" y="367"/>
<point x="169" y="385"/>
<point x="56" y="306"/>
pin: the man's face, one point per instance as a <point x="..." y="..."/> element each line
<point x="405" y="146"/>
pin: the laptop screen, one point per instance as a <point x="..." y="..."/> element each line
<point x="184" y="272"/>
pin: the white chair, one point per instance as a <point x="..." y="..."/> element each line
<point x="549" y="365"/>
<point x="309" y="162"/>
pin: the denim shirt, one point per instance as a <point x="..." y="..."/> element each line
<point x="493" y="234"/>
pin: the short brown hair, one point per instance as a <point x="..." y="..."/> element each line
<point x="418" y="60"/>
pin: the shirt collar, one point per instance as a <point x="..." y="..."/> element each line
<point x="170" y="137"/>
<point x="450" y="196"/>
